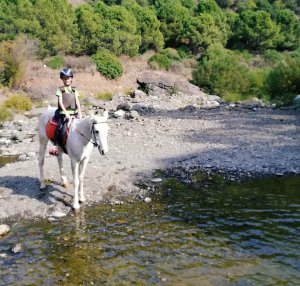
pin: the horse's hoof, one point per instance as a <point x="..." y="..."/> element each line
<point x="76" y="208"/>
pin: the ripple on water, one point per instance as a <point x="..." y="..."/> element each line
<point x="232" y="235"/>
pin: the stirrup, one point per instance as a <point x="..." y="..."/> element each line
<point x="53" y="151"/>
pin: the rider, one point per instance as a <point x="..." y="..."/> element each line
<point x="68" y="106"/>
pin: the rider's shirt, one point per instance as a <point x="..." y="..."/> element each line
<point x="68" y="94"/>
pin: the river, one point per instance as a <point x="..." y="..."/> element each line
<point x="212" y="233"/>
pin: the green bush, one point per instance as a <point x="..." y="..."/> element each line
<point x="258" y="78"/>
<point x="18" y="103"/>
<point x="273" y="57"/>
<point x="221" y="72"/>
<point x="162" y="60"/>
<point x="172" y="54"/>
<point x="283" y="82"/>
<point x="165" y="58"/>
<point x="184" y="52"/>
<point x="55" y="62"/>
<point x="108" y="64"/>
<point x="5" y="113"/>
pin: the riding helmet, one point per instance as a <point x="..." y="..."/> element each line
<point x="66" y="72"/>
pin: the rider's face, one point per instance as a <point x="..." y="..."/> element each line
<point x="67" y="80"/>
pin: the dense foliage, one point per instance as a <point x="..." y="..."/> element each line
<point x="134" y="26"/>
<point x="108" y="64"/>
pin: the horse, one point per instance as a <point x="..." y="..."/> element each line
<point x="84" y="134"/>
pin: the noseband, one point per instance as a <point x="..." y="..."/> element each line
<point x="95" y="143"/>
<point x="93" y="140"/>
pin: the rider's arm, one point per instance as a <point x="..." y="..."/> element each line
<point x="78" y="104"/>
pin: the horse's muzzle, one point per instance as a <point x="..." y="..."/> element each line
<point x="102" y="152"/>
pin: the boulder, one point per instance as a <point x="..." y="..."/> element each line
<point x="171" y="84"/>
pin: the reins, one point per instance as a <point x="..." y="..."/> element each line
<point x="95" y="143"/>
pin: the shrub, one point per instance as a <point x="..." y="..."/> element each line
<point x="106" y="96"/>
<point x="55" y="62"/>
<point x="108" y="64"/>
<point x="273" y="57"/>
<point x="162" y="60"/>
<point x="184" y="52"/>
<point x="283" y="82"/>
<point x="172" y="54"/>
<point x="221" y="72"/>
<point x="5" y="113"/>
<point x="258" y="79"/>
<point x="82" y="63"/>
<point x="18" y="103"/>
<point x="12" y="62"/>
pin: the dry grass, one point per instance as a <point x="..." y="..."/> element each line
<point x="41" y="82"/>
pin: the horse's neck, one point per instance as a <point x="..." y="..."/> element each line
<point x="84" y="126"/>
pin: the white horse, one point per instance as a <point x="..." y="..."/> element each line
<point x="84" y="134"/>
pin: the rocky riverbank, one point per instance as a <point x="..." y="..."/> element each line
<point x="173" y="132"/>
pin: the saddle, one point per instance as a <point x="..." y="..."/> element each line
<point x="62" y="133"/>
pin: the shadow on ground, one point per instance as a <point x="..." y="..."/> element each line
<point x="30" y="187"/>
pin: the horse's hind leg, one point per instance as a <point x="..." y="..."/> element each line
<point x="61" y="169"/>
<point x="43" y="144"/>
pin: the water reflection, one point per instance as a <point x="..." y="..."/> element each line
<point x="216" y="233"/>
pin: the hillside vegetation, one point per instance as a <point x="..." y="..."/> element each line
<point x="242" y="48"/>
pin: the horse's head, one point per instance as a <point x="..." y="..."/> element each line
<point x="100" y="132"/>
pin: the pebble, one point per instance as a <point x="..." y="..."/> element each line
<point x="147" y="200"/>
<point x="116" y="202"/>
<point x="4" y="229"/>
<point x="17" y="248"/>
<point x="156" y="180"/>
<point x="58" y="214"/>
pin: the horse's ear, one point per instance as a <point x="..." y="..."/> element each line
<point x="102" y="118"/>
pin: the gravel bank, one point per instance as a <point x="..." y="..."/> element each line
<point x="238" y="142"/>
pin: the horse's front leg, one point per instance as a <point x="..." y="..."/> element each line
<point x="75" y="171"/>
<point x="61" y="169"/>
<point x="83" y="165"/>
<point x="43" y="144"/>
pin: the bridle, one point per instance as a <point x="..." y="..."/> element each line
<point x="93" y="140"/>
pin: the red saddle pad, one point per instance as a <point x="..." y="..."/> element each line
<point x="50" y="128"/>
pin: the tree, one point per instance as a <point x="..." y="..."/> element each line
<point x="172" y="16"/>
<point x="7" y="20"/>
<point x="208" y="25"/>
<point x="255" y="30"/>
<point x="119" y="33"/>
<point x="90" y="28"/>
<point x="147" y="26"/>
<point x="289" y="27"/>
<point x="200" y="32"/>
<point x="57" y="25"/>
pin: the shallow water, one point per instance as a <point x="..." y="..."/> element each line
<point x="216" y="233"/>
